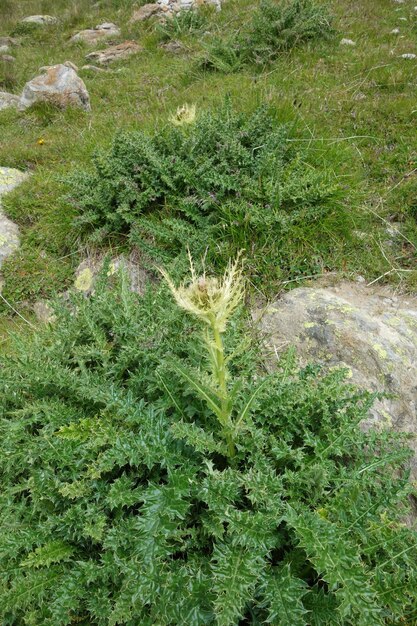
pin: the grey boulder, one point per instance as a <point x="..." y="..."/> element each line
<point x="8" y="100"/>
<point x="369" y="331"/>
<point x="114" y="53"/>
<point x="9" y="232"/>
<point x="41" y="20"/>
<point x="59" y="85"/>
<point x="92" y="36"/>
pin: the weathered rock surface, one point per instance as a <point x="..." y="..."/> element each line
<point x="145" y="12"/>
<point x="173" y="47"/>
<point x="114" y="53"/>
<point x="369" y="331"/>
<point x="4" y="49"/>
<point x="8" y="100"/>
<point x="162" y="7"/>
<point x="94" y="68"/>
<point x="59" y="85"/>
<point x="44" y="312"/>
<point x="8" y="41"/>
<point x="7" y="58"/>
<point x="92" y="36"/>
<point x="87" y="272"/>
<point x="40" y="19"/>
<point x="9" y="232"/>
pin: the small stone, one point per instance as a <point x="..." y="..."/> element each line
<point x="145" y="12"/>
<point x="409" y="55"/>
<point x="395" y="31"/>
<point x="7" y="58"/>
<point x="4" y="49"/>
<point x="94" y="35"/>
<point x="8" y="41"/>
<point x="403" y="19"/>
<point x="44" y="312"/>
<point x="88" y="271"/>
<point x="58" y="85"/>
<point x="94" y="68"/>
<point x="347" y="42"/>
<point x="360" y="279"/>
<point x="115" y="53"/>
<point x="40" y="19"/>
<point x="8" y="100"/>
<point x="174" y="47"/>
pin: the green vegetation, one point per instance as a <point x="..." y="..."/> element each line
<point x="151" y="474"/>
<point x="274" y="28"/>
<point x="223" y="183"/>
<point x="182" y="24"/>
<point x="122" y="504"/>
<point x="352" y="107"/>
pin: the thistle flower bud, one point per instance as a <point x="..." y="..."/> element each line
<point x="209" y="298"/>
<point x="185" y="114"/>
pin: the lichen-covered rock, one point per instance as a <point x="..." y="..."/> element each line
<point x="58" y="85"/>
<point x="164" y="7"/>
<point x="369" y="331"/>
<point x="145" y="12"/>
<point x="114" y="53"/>
<point x="41" y="20"/>
<point x="92" y="36"/>
<point x="8" y="100"/>
<point x="9" y="232"/>
<point x="88" y="271"/>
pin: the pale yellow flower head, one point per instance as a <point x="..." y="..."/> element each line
<point x="211" y="299"/>
<point x="185" y="114"/>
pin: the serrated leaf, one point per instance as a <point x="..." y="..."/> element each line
<point x="236" y="572"/>
<point x="46" y="555"/>
<point x="283" y="596"/>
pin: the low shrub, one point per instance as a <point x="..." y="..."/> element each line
<point x="275" y="27"/>
<point x="121" y="504"/>
<point x="222" y="183"/>
<point x="279" y="27"/>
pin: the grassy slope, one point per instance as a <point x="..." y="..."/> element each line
<point x="356" y="105"/>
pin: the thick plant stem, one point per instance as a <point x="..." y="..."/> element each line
<point x="220" y="372"/>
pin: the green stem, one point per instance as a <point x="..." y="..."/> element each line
<point x="219" y="369"/>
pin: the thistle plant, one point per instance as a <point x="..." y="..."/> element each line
<point x="116" y="511"/>
<point x="184" y="115"/>
<point x="213" y="300"/>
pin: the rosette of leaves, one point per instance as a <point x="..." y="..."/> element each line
<point x="226" y="182"/>
<point x="120" y="504"/>
<point x="274" y="28"/>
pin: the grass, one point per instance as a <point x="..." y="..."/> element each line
<point x="355" y="105"/>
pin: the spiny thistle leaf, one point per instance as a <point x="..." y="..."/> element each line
<point x="283" y="597"/>
<point x="52" y="552"/>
